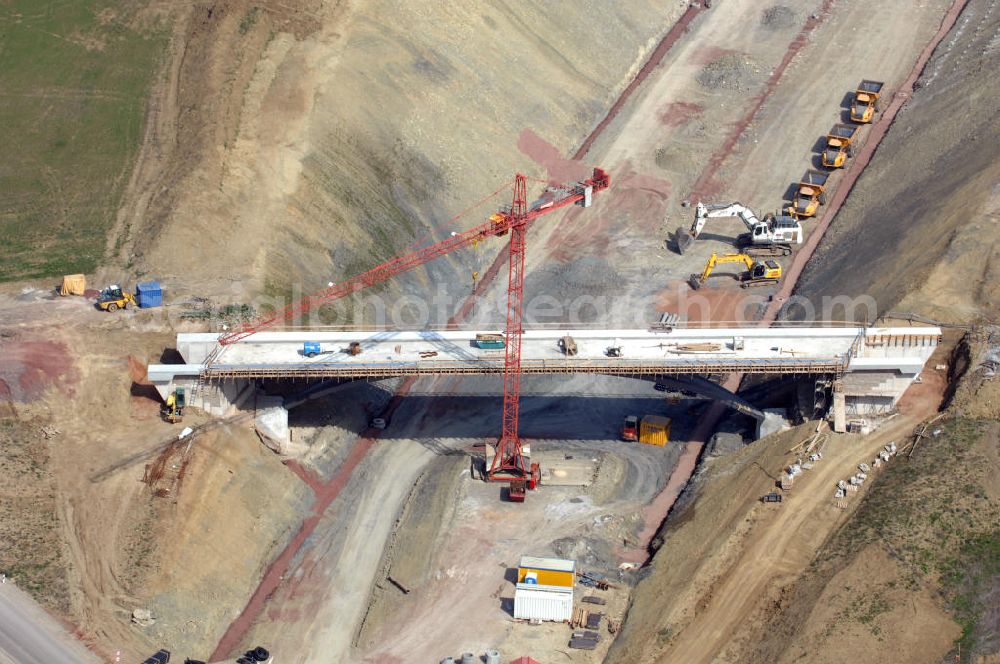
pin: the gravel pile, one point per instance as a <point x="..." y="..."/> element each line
<point x="777" y="17"/>
<point x="733" y="71"/>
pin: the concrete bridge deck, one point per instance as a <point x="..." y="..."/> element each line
<point x="384" y="354"/>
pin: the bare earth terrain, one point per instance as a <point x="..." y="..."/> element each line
<point x="288" y="146"/>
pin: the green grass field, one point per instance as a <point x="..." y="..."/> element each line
<point x="74" y="78"/>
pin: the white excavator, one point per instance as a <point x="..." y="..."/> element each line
<point x="773" y="236"/>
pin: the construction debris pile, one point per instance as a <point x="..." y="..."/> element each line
<point x="851" y="484"/>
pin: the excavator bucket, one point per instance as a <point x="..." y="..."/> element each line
<point x="683" y="239"/>
<point x="694" y="281"/>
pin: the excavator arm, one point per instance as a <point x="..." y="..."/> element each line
<point x="715" y="260"/>
<point x="756" y="271"/>
<point x="703" y="213"/>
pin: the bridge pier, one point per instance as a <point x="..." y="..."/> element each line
<point x="839" y="407"/>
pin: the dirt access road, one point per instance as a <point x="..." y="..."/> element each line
<point x="779" y="546"/>
<point x="714" y="617"/>
<point x="734" y="113"/>
<point x="465" y="560"/>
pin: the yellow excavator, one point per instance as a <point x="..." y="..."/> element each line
<point x="758" y="272"/>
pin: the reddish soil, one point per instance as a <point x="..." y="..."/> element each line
<point x="137" y="370"/>
<point x="590" y="236"/>
<point x="710" y="304"/>
<point x="29" y="368"/>
<point x="638" y="198"/>
<point x="928" y="395"/>
<point x="542" y="152"/>
<point x="678" y="113"/>
<point x="706" y="185"/>
<point x="145" y="401"/>
<point x="631" y="183"/>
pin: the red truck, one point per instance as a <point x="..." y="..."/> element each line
<point x="630" y="430"/>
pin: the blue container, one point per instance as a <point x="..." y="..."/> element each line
<point x="310" y="348"/>
<point x="149" y="294"/>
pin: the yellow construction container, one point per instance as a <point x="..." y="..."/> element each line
<point x="546" y="571"/>
<point x="73" y="284"/>
<point x="654" y="430"/>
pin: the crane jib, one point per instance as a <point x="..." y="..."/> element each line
<point x="499" y="224"/>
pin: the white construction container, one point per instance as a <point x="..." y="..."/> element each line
<point x="552" y="605"/>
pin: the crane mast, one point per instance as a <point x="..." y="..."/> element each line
<point x="509" y="459"/>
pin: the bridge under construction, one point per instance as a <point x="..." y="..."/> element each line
<point x="868" y="369"/>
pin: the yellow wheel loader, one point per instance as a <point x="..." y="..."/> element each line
<point x="114" y="298"/>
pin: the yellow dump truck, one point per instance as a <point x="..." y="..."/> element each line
<point x="810" y="195"/>
<point x="865" y="104"/>
<point x="838" y="145"/>
<point x="654" y="430"/>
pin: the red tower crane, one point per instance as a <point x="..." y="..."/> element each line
<point x="508" y="460"/>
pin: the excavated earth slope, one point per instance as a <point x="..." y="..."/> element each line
<point x="319" y="141"/>
<point x="920" y="224"/>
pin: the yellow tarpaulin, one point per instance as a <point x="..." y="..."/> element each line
<point x="73" y="284"/>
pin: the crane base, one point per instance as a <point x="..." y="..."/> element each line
<point x="514" y="469"/>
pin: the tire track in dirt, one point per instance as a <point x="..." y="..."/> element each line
<point x="656" y="514"/>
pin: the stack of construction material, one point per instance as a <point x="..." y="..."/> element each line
<point x="73" y="284"/>
<point x="584" y="640"/>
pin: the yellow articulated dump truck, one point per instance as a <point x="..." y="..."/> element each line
<point x="865" y="104"/>
<point x="654" y="430"/>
